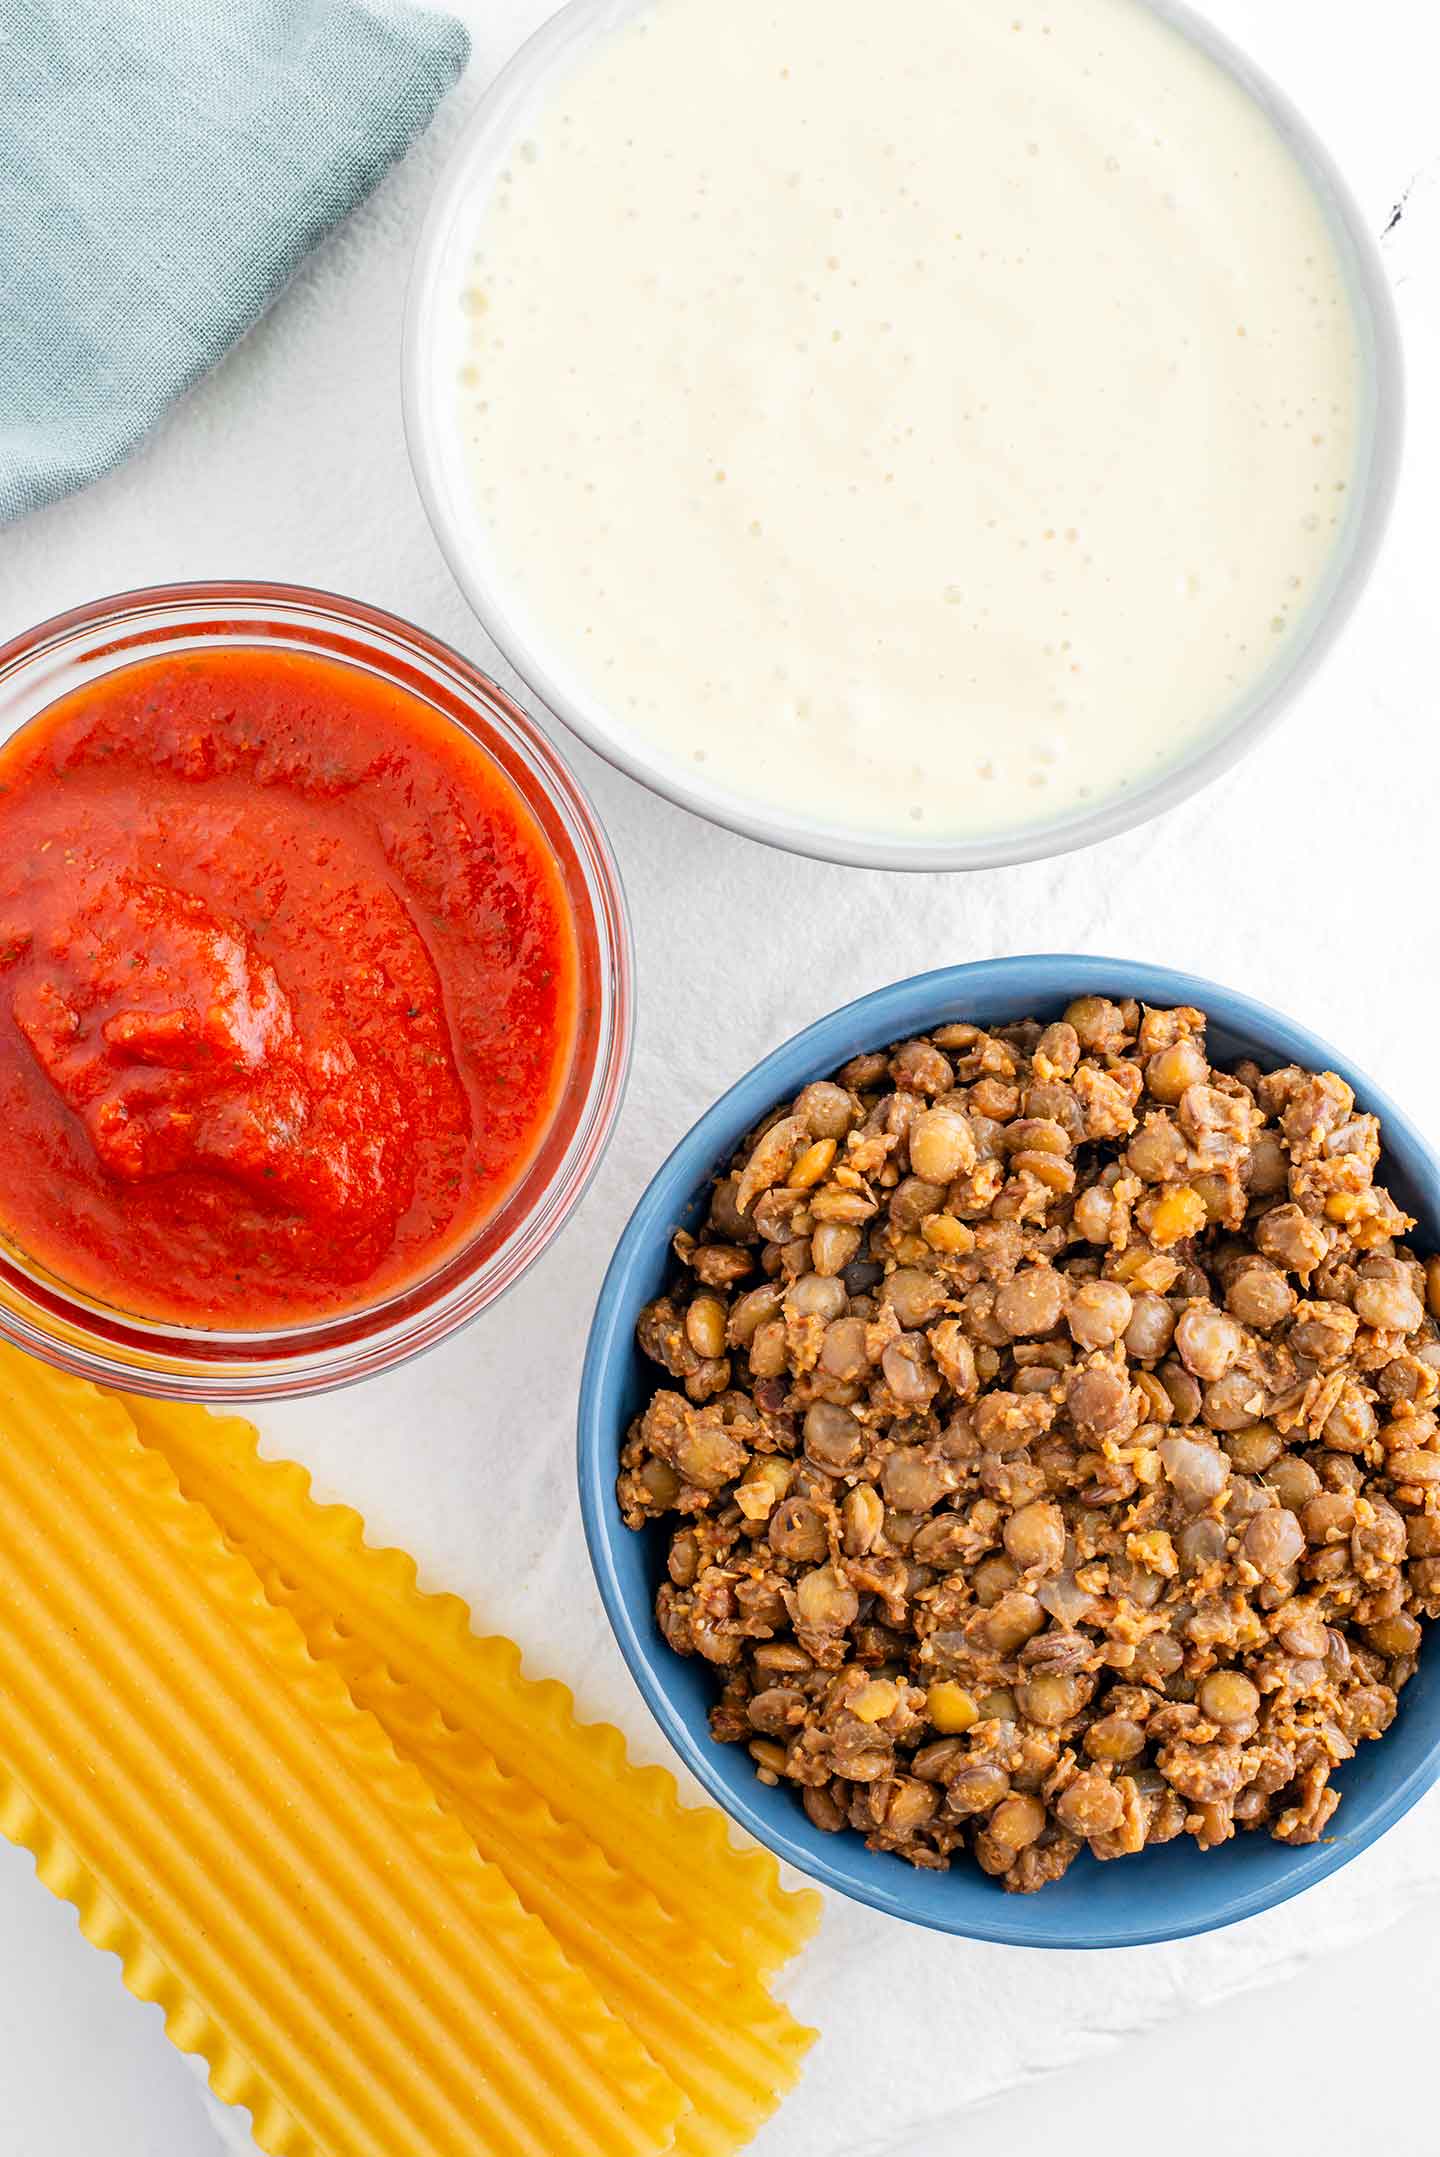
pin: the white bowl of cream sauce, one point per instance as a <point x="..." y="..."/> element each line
<point x="928" y="436"/>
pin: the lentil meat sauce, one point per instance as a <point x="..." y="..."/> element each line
<point x="1050" y="1433"/>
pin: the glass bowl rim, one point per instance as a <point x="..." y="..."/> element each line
<point x="220" y="1365"/>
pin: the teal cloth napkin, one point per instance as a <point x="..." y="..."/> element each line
<point x="164" y="166"/>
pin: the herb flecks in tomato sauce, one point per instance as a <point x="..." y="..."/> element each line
<point x="287" y="988"/>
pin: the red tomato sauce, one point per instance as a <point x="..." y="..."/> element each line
<point x="288" y="988"/>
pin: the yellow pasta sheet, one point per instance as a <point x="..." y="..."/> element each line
<point x="731" y="1898"/>
<point x="247" y="1840"/>
<point x="731" y="2048"/>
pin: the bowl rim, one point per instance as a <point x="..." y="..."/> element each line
<point x="814" y="1052"/>
<point x="47" y="1317"/>
<point x="1349" y="570"/>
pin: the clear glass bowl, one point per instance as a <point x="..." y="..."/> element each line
<point x="47" y="1317"/>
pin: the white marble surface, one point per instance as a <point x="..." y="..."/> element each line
<point x="1304" y="878"/>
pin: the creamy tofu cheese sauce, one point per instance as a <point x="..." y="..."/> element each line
<point x="932" y="418"/>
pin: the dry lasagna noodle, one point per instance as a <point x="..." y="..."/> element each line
<point x="647" y="1896"/>
<point x="230" y="1823"/>
<point x="729" y="1897"/>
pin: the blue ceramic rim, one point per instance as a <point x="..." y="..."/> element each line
<point x="885" y="1015"/>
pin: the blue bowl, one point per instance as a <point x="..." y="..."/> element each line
<point x="1162" y="1894"/>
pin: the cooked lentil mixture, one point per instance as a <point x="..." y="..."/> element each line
<point x="1049" y="1432"/>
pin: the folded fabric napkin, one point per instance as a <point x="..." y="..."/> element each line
<point x="164" y="167"/>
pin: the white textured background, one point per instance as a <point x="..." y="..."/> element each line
<point x="1305" y="878"/>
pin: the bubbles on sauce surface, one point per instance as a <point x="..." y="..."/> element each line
<point x="804" y="409"/>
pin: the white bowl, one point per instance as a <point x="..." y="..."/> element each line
<point x="434" y="347"/>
